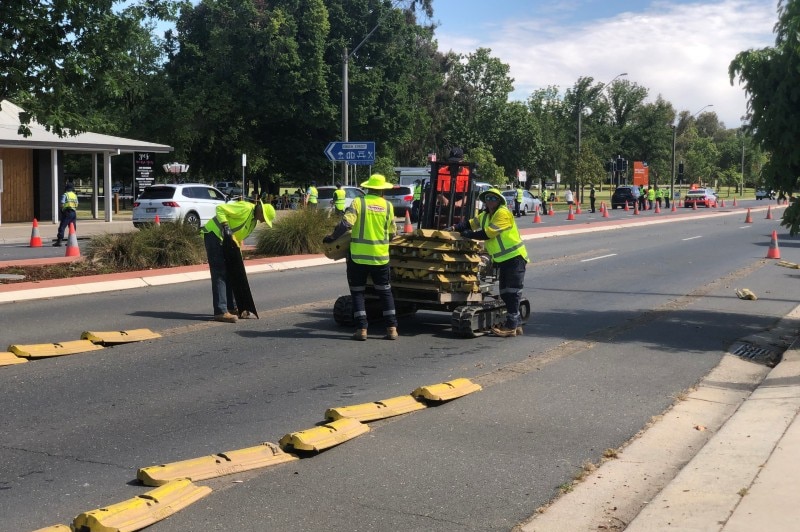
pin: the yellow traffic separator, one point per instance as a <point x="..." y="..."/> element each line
<point x="7" y="358"/>
<point x="143" y="510"/>
<point x="119" y="337"/>
<point x="377" y="410"/>
<point x="787" y="264"/>
<point x="324" y="436"/>
<point x="446" y="390"/>
<point x="54" y="528"/>
<point x="216" y="465"/>
<point x="54" y="350"/>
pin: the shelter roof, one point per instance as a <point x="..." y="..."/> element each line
<point x="40" y="138"/>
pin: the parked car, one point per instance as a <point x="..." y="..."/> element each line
<point x="227" y="187"/>
<point x="402" y="198"/>
<point x="702" y="197"/>
<point x="529" y="203"/>
<point x="763" y="193"/>
<point x="480" y="186"/>
<point x="325" y="195"/>
<point x="625" y="194"/>
<point x="192" y="204"/>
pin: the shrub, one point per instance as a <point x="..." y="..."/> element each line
<point x="299" y="233"/>
<point x="156" y="246"/>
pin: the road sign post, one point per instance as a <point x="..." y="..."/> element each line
<point x="351" y="152"/>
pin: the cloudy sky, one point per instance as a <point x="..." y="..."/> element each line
<point x="680" y="49"/>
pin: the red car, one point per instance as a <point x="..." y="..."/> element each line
<point x="702" y="197"/>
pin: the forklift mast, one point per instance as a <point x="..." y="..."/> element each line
<point x="449" y="196"/>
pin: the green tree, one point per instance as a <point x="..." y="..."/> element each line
<point x="771" y="79"/>
<point x="63" y="62"/>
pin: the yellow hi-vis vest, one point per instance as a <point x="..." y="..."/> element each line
<point x="313" y="194"/>
<point x="240" y="217"/>
<point x="338" y="199"/>
<point x="504" y="242"/>
<point x="372" y="219"/>
<point x="519" y="195"/>
<point x="69" y="201"/>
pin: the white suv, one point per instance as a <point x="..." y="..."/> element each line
<point x="191" y="203"/>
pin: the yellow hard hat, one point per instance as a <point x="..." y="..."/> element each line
<point x="377" y="182"/>
<point x="269" y="212"/>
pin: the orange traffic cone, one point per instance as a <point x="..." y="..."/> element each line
<point x="694" y="206"/>
<point x="722" y="204"/>
<point x="748" y="220"/>
<point x="157" y="221"/>
<point x="550" y="211"/>
<point x="658" y="209"/>
<point x="626" y="205"/>
<point x="36" y="239"/>
<point x="635" y="207"/>
<point x="571" y="215"/>
<point x="769" y="213"/>
<point x="72" y="243"/>
<point x="407" y="227"/>
<point x="774" y="252"/>
<point x="536" y="218"/>
<point x="674" y="208"/>
<point x="604" y="208"/>
<point x="734" y="201"/>
<point x="578" y="208"/>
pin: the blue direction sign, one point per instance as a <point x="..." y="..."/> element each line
<point x="351" y="152"/>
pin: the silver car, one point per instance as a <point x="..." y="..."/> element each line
<point x="402" y="198"/>
<point x="529" y="203"/>
<point x="325" y="195"/>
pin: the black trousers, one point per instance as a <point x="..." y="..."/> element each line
<point x="511" y="282"/>
<point x="357" y="275"/>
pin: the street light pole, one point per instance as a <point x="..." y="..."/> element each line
<point x="579" y="190"/>
<point x="672" y="183"/>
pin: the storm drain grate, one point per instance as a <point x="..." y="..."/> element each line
<point x="756" y="354"/>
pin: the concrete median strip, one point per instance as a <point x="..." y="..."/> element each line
<point x="142" y="510"/>
<point x="446" y="390"/>
<point x="55" y="349"/>
<point x="7" y="359"/>
<point x="377" y="410"/>
<point x="217" y="465"/>
<point x="119" y="337"/>
<point x="325" y="436"/>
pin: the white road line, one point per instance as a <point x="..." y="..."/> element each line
<point x="691" y="238"/>
<point x="600" y="257"/>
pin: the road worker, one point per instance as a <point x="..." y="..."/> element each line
<point x="235" y="221"/>
<point x="338" y="200"/>
<point x="496" y="225"/>
<point x="69" y="208"/>
<point x="371" y="221"/>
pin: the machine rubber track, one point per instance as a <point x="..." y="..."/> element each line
<point x="476" y="320"/>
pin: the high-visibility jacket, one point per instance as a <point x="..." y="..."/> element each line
<point x="651" y="194"/>
<point x="372" y="220"/>
<point x="338" y="199"/>
<point x="240" y="217"/>
<point x="660" y="194"/>
<point x="504" y="242"/>
<point x="417" y="192"/>
<point x="519" y="195"/>
<point x="312" y="194"/>
<point x="69" y="200"/>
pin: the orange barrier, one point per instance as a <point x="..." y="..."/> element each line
<point x="36" y="239"/>
<point x="72" y="243"/>
<point x="774" y="251"/>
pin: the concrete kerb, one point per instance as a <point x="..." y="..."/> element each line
<point x="715" y="457"/>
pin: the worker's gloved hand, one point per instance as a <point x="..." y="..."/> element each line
<point x="327" y="240"/>
<point x="468" y="233"/>
<point x="226" y="232"/>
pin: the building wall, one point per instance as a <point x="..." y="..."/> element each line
<point x="42" y="200"/>
<point x="17" y="185"/>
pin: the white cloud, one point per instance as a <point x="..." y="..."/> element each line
<point x="681" y="51"/>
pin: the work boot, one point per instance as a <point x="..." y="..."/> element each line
<point x="391" y="333"/>
<point x="57" y="243"/>
<point x="243" y="315"/>
<point x="360" y="334"/>
<point x="504" y="331"/>
<point x="225" y="318"/>
<point x="519" y="330"/>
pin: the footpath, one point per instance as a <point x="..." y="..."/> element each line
<point x="737" y="470"/>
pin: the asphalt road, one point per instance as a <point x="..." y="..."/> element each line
<point x="623" y="322"/>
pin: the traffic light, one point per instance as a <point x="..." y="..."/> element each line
<point x="620" y="162"/>
<point x="625" y="165"/>
<point x="680" y="172"/>
<point x="609" y="166"/>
